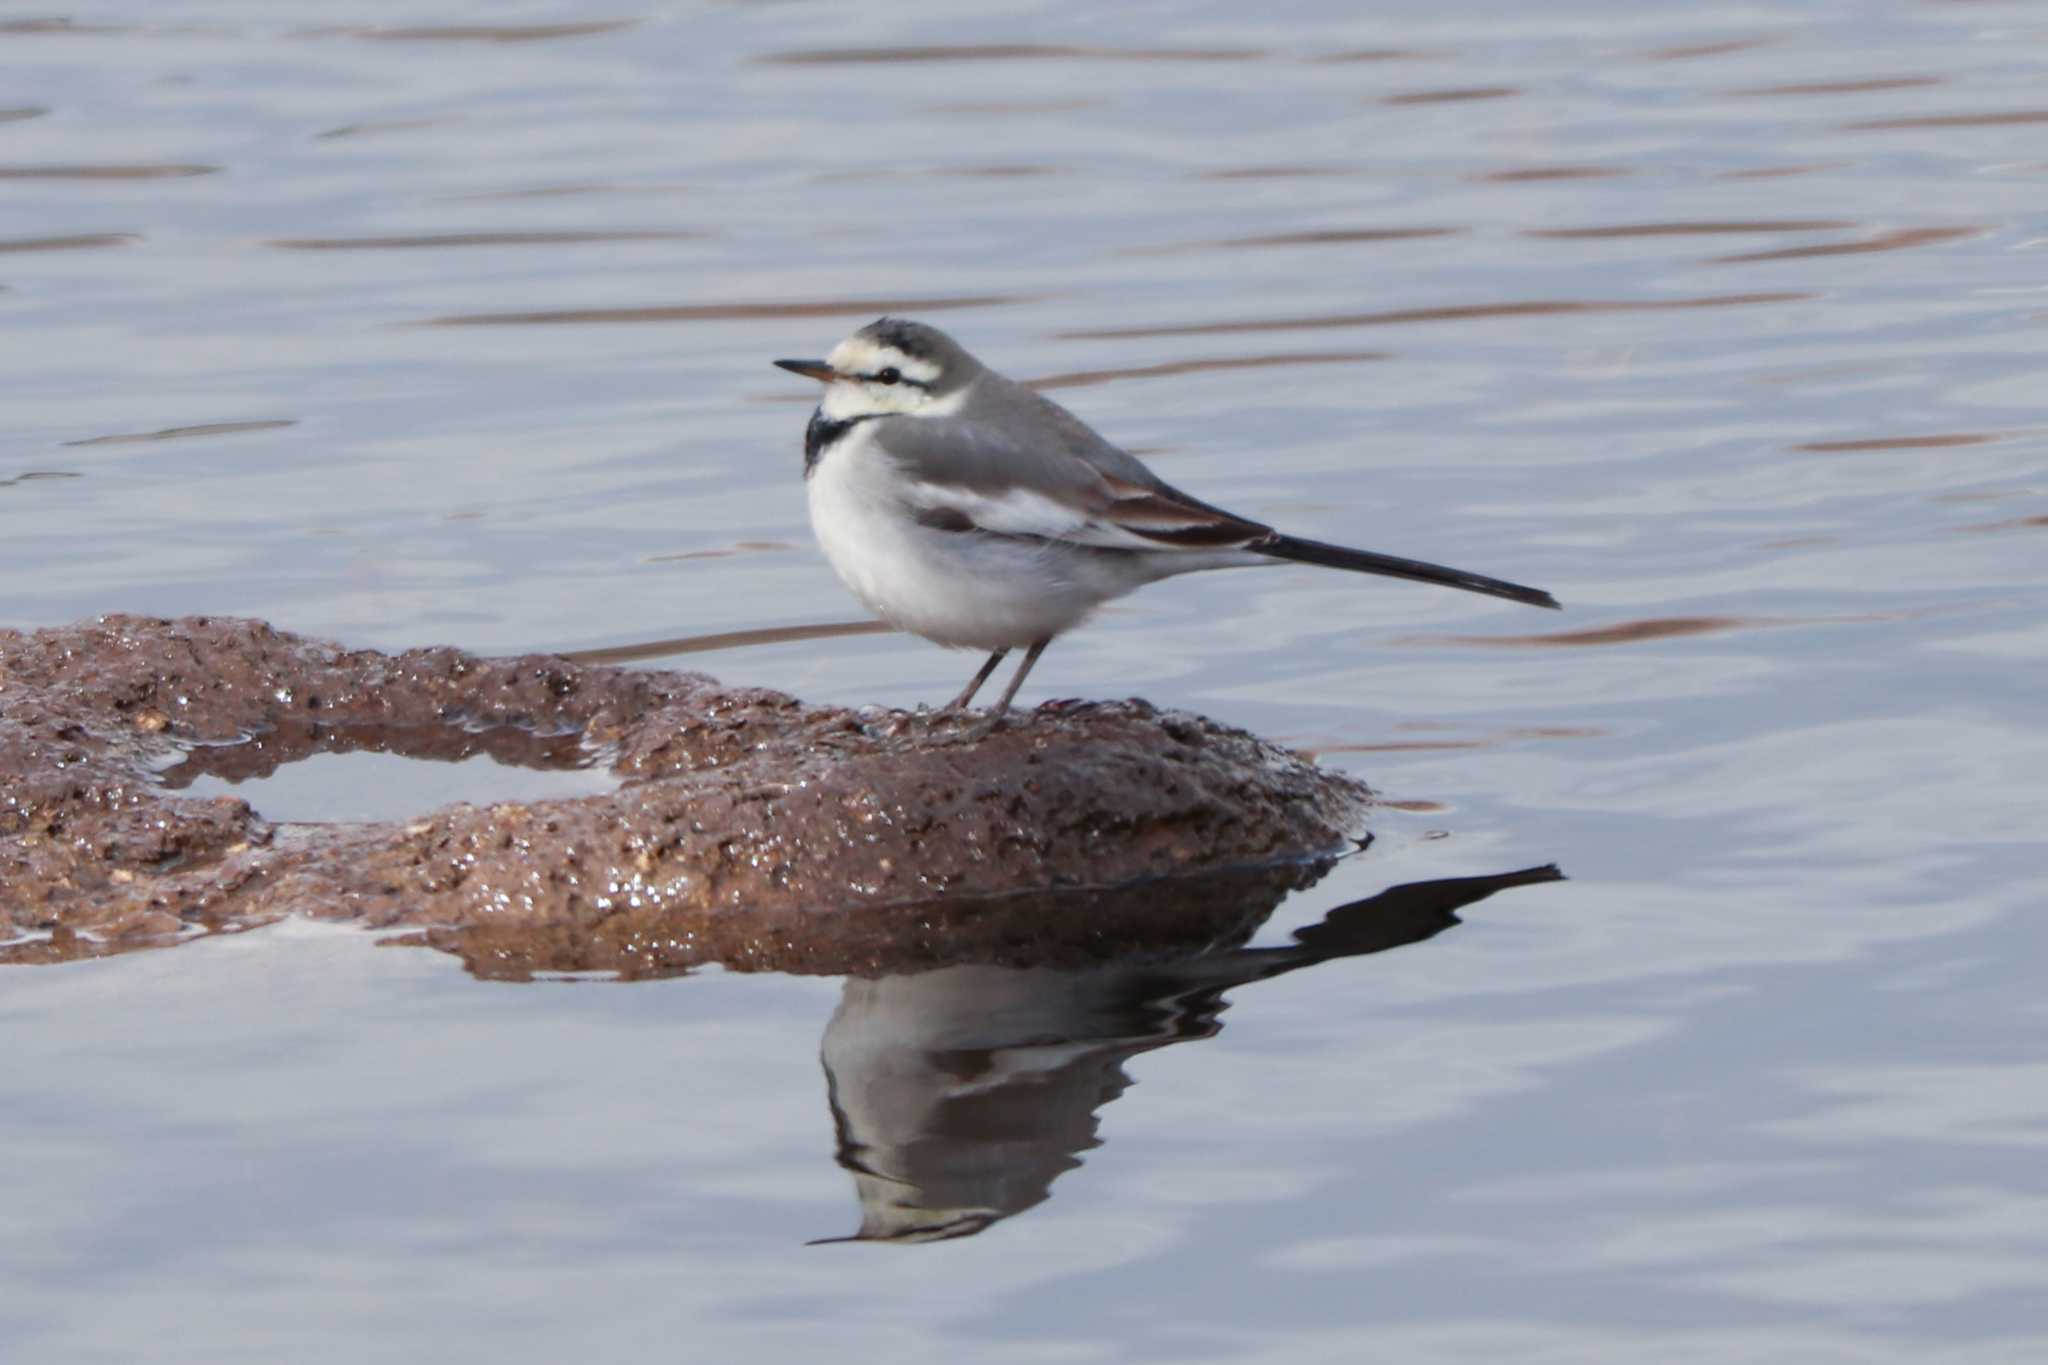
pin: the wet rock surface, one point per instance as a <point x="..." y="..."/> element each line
<point x="747" y="828"/>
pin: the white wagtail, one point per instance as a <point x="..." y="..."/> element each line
<point x="963" y="507"/>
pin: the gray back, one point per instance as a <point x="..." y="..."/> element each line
<point x="1004" y="434"/>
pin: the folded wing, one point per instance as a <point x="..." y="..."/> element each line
<point x="974" y="476"/>
<point x="1073" y="487"/>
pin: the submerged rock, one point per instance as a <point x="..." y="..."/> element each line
<point x="747" y="828"/>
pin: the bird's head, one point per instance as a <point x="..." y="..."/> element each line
<point x="892" y="366"/>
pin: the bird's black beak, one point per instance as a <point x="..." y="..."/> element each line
<point x="810" y="369"/>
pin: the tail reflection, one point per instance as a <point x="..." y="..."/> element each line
<point x="961" y="1094"/>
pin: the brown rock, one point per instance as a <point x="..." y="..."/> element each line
<point x="747" y="828"/>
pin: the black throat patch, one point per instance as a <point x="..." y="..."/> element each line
<point x="823" y="432"/>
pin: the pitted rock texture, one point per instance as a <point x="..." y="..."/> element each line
<point x="748" y="828"/>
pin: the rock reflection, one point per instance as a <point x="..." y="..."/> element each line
<point x="961" y="1094"/>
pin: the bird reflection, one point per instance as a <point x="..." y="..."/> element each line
<point x="960" y="1094"/>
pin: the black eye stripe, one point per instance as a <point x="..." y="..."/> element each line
<point x="901" y="378"/>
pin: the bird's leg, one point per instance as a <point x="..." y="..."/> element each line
<point x="1030" y="658"/>
<point x="959" y="703"/>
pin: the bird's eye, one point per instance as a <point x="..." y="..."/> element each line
<point x="889" y="375"/>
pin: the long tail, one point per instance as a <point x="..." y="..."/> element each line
<point x="1392" y="566"/>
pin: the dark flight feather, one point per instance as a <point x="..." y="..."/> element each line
<point x="1392" y="566"/>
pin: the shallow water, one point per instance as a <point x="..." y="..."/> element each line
<point x="361" y="785"/>
<point x="1724" y="323"/>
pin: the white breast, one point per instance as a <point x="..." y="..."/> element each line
<point x="956" y="588"/>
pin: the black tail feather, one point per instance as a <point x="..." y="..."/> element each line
<point x="1392" y="566"/>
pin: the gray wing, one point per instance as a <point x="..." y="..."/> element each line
<point x="979" y="471"/>
<point x="1015" y="463"/>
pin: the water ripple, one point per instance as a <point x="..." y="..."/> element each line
<point x="1940" y="442"/>
<point x="738" y="547"/>
<point x="1530" y="174"/>
<point x="1628" y="632"/>
<point x="452" y="239"/>
<point x="1007" y="107"/>
<point x="1654" y="628"/>
<point x="1889" y="241"/>
<point x="1377" y="54"/>
<point x="1690" y="51"/>
<point x="2003" y="119"/>
<point x="1855" y="87"/>
<point x="1317" y="237"/>
<point x="58" y="25"/>
<point x="170" y="170"/>
<point x="1275" y="172"/>
<point x="1456" y="95"/>
<point x="76" y="241"/>
<point x="1076" y="379"/>
<point x="721" y="312"/>
<point x="181" y="433"/>
<point x="1001" y="52"/>
<point x="1702" y="227"/>
<point x="1453" y="313"/>
<point x="476" y="33"/>
<point x="378" y="126"/>
<point x="2015" y="524"/>
<point x="1780" y="172"/>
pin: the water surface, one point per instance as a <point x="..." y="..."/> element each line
<point x="1723" y="323"/>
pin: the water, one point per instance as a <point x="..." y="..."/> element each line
<point x="1721" y="322"/>
<point x="362" y="785"/>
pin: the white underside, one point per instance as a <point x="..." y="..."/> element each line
<point x="965" y="589"/>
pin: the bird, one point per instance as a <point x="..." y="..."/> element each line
<point x="971" y="510"/>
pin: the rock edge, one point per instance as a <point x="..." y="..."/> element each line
<point x="748" y="828"/>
